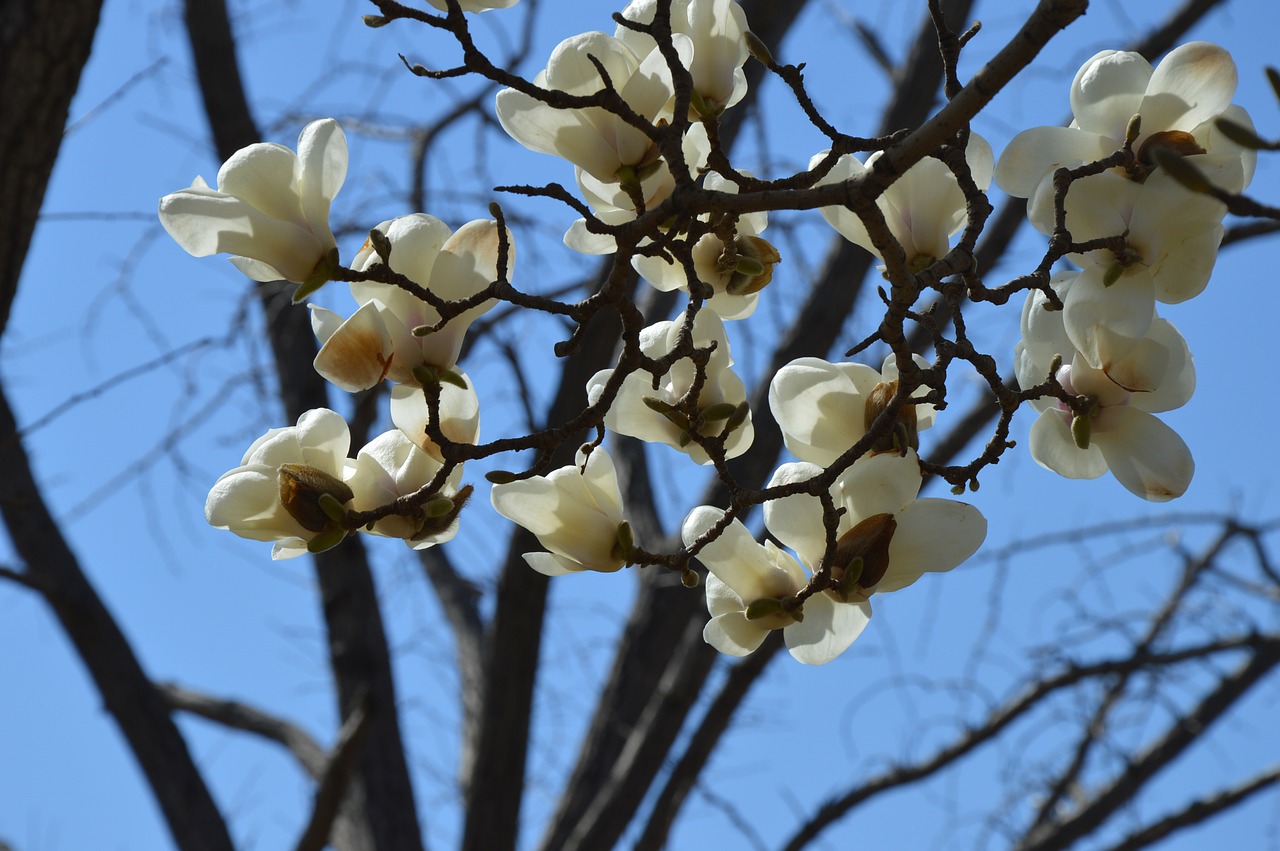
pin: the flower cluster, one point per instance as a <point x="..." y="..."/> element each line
<point x="1144" y="238"/>
<point x="636" y="115"/>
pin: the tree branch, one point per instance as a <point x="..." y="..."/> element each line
<point x="1002" y="717"/>
<point x="127" y="692"/>
<point x="247" y="719"/>
<point x="334" y="778"/>
<point x="1198" y="811"/>
<point x="357" y="641"/>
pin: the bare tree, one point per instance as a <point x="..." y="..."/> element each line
<point x="1068" y="734"/>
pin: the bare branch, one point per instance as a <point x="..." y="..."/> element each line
<point x="334" y="778"/>
<point x="240" y="716"/>
<point x="1198" y="811"/>
<point x="1177" y="738"/>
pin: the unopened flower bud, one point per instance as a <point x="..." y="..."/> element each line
<point x="1081" y="430"/>
<point x="1133" y="129"/>
<point x="905" y="433"/>
<point x="442" y="512"/>
<point x="301" y="491"/>
<point x="719" y="411"/>
<point x="381" y="244"/>
<point x="324" y="272"/>
<point x="757" y="48"/>
<point x="865" y="545"/>
<point x="690" y="579"/>
<point x="624" y="543"/>
<point x="753" y="269"/>
<point x="737" y="418"/>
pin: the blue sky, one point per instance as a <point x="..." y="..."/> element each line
<point x="127" y="468"/>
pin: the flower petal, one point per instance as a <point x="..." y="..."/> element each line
<point x="933" y="535"/>
<point x="1053" y="448"/>
<point x="1144" y="454"/>
<point x="732" y="634"/>
<point x="828" y="628"/>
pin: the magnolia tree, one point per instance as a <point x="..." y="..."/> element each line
<point x="1129" y="199"/>
<point x="1127" y="192"/>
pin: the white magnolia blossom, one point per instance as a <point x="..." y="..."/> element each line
<point x="389" y="467"/>
<point x="377" y="341"/>
<point x="736" y="277"/>
<point x="923" y="208"/>
<point x="1171" y="243"/>
<point x="576" y="513"/>
<point x="642" y="411"/>
<point x="271" y="207"/>
<point x="599" y="142"/>
<point x="475" y="5"/>
<point x="613" y="205"/>
<point x="822" y="408"/>
<point x="887" y="539"/>
<point x="1178" y="102"/>
<point x="275" y="493"/>
<point x="1120" y="433"/>
<point x="715" y="28"/>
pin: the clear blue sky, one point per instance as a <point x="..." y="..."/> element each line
<point x="104" y="291"/>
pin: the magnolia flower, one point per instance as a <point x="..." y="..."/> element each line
<point x="281" y="488"/>
<point x="475" y="5"/>
<point x="614" y="206"/>
<point x="270" y="210"/>
<point x="1178" y="102"/>
<point x="600" y="143"/>
<point x="1171" y="242"/>
<point x="390" y="467"/>
<point x="575" y="511"/>
<point x="742" y="574"/>
<point x="377" y="341"/>
<point x="1119" y="433"/>
<point x="825" y="408"/>
<point x="651" y="414"/>
<point x="736" y="277"/>
<point x="886" y="540"/>
<point x="923" y="208"/>
<point x="719" y="50"/>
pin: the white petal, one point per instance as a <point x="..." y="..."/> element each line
<point x="1193" y="83"/>
<point x="1108" y="90"/>
<point x="1105" y="323"/>
<point x="732" y="634"/>
<point x="550" y="564"/>
<point x="1053" y="448"/>
<point x="1035" y="153"/>
<point x="750" y="570"/>
<point x="933" y="535"/>
<point x="1178" y="382"/>
<point x="828" y="628"/>
<point x="246" y="501"/>
<point x="358" y="353"/>
<point x="204" y="222"/>
<point x="796" y="521"/>
<point x="459" y="414"/>
<point x="819" y="408"/>
<point x="322" y="152"/>
<point x="1144" y="454"/>
<point x="880" y="484"/>
<point x="265" y="176"/>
